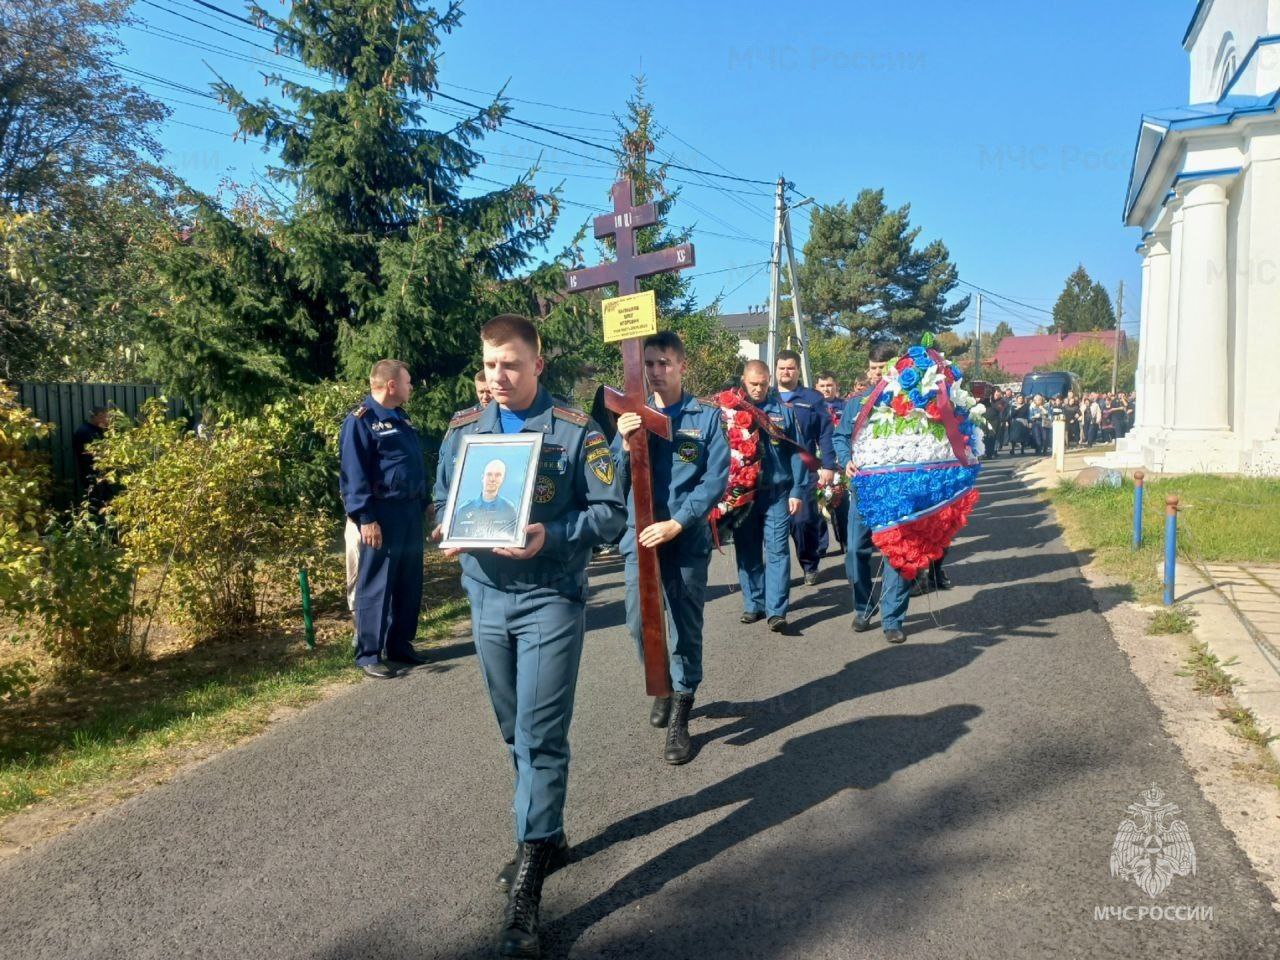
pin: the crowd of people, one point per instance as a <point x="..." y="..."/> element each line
<point x="1025" y="424"/>
<point x="528" y="597"/>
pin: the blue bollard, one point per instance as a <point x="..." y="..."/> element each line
<point x="1138" y="477"/>
<point x="1170" y="547"/>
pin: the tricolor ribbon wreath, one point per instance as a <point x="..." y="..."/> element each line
<point x="917" y="444"/>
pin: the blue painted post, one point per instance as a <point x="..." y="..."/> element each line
<point x="1170" y="547"/>
<point x="1138" y="477"/>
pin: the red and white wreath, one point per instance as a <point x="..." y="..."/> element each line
<point x="744" y="458"/>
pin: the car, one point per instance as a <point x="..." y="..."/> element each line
<point x="1050" y="384"/>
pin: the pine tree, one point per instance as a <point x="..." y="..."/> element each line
<point x="371" y="250"/>
<point x="712" y="351"/>
<point x="1083" y="305"/>
<point x="863" y="273"/>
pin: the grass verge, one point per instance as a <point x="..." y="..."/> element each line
<point x="79" y="734"/>
<point x="1222" y="519"/>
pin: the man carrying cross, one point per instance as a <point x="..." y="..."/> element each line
<point x="624" y="272"/>
<point x="690" y="472"/>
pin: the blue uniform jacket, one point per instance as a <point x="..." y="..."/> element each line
<point x="690" y="473"/>
<point x="781" y="466"/>
<point x="814" y="424"/>
<point x="381" y="457"/>
<point x="576" y="496"/>
<point x="842" y="437"/>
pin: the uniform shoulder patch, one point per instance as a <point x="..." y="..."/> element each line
<point x="463" y="417"/>
<point x="359" y="411"/>
<point x="569" y="415"/>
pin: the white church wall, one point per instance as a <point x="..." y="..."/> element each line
<point x="1261" y="360"/>
<point x="1222" y="42"/>
<point x="1238" y="200"/>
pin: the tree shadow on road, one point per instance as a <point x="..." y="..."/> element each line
<point x="809" y="770"/>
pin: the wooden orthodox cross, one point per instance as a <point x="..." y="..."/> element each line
<point x="629" y="267"/>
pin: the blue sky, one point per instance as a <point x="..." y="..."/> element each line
<point x="1007" y="126"/>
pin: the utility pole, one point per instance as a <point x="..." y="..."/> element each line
<point x="806" y="375"/>
<point x="1115" y="361"/>
<point x="775" y="294"/>
<point x="977" y="344"/>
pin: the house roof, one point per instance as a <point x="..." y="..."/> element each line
<point x="1021" y="355"/>
<point x="744" y="323"/>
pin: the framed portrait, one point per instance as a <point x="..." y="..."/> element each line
<point x="491" y="491"/>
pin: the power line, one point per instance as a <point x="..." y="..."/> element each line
<point x="992" y="293"/>
<point x="726" y="296"/>
<point x="455" y="86"/>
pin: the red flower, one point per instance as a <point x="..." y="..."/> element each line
<point x="931" y="410"/>
<point x="911" y="547"/>
<point x="742" y="419"/>
<point x="902" y="405"/>
<point x="749" y="448"/>
<point x="905" y="362"/>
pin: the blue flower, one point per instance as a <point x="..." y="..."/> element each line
<point x="915" y="398"/>
<point x="909" y="378"/>
<point x="885" y="399"/>
<point x="955" y="372"/>
<point x="919" y="355"/>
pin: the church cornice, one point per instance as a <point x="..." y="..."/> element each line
<point x="1166" y="130"/>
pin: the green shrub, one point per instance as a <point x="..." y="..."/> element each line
<point x="24" y="482"/>
<point x="226" y="518"/>
<point x="83" y="606"/>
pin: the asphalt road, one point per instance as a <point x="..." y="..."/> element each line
<point x="956" y="796"/>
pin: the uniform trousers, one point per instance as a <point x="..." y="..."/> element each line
<point x="529" y="645"/>
<point x="763" y="554"/>
<point x="839" y="523"/>
<point x="806" y="530"/>
<point x="388" y="583"/>
<point x="684" y="588"/>
<point x="895" y="592"/>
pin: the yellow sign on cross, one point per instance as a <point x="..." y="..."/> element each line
<point x="635" y="315"/>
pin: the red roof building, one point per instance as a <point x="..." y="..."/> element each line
<point x="1020" y="355"/>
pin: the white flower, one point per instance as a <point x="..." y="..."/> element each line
<point x="929" y="379"/>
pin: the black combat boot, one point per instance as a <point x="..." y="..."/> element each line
<point x="679" y="748"/>
<point x="558" y="859"/>
<point x="519" y="937"/>
<point x="660" y="714"/>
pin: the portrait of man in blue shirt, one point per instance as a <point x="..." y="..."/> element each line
<point x="489" y="516"/>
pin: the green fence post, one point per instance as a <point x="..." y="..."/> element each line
<point x="308" y="625"/>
